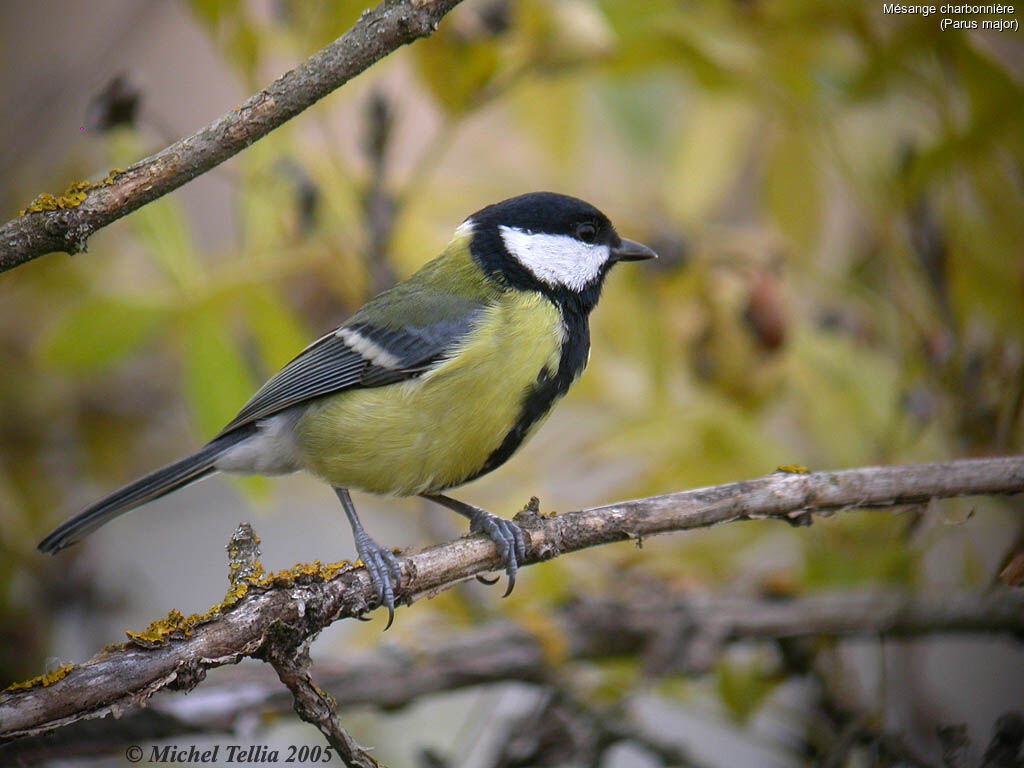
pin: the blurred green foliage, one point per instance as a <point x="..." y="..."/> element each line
<point x="836" y="195"/>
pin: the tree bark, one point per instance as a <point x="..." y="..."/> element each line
<point x="664" y="631"/>
<point x="378" y="32"/>
<point x="305" y="600"/>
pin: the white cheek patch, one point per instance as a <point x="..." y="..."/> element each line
<point x="556" y="259"/>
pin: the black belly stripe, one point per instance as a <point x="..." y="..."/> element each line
<point x="546" y="390"/>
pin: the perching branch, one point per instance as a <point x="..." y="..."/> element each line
<point x="666" y="632"/>
<point x="76" y="217"/>
<point x="287" y="651"/>
<point x="308" y="599"/>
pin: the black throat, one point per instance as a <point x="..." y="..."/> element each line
<point x="575" y="310"/>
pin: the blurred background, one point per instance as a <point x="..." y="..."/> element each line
<point x="837" y="196"/>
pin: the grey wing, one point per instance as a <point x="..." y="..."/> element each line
<point x="358" y="354"/>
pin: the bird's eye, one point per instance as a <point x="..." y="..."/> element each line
<point x="586" y="232"/>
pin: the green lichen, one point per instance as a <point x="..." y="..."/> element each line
<point x="42" y="681"/>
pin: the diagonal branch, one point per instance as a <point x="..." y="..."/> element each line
<point x="316" y="706"/>
<point x="65" y="224"/>
<point x="177" y="653"/>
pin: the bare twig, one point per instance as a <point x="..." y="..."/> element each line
<point x="244" y="555"/>
<point x="840" y="751"/>
<point x="956" y="745"/>
<point x="318" y="707"/>
<point x="379" y="205"/>
<point x="563" y="729"/>
<point x="308" y="599"/>
<point x="1004" y="751"/>
<point x="390" y="25"/>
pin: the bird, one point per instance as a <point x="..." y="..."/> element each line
<point x="431" y="384"/>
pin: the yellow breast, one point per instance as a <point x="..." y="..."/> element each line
<point x="437" y="430"/>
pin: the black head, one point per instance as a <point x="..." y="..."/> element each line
<point x="553" y="243"/>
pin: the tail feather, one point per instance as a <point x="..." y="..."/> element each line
<point x="145" y="489"/>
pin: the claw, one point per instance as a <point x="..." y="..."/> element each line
<point x="511" y="583"/>
<point x="488" y="582"/>
<point x="507" y="536"/>
<point x="384" y="571"/>
<point x="381" y="564"/>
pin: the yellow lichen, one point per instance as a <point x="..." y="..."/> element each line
<point x="161" y="630"/>
<point x="333" y="702"/>
<point x="42" y="681"/>
<point x="72" y="197"/>
<point x="793" y="469"/>
<point x="234" y="594"/>
<point x="316" y="571"/>
<point x="531" y="507"/>
<point x="255" y="570"/>
<point x="176" y="625"/>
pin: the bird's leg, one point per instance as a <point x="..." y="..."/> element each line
<point x="381" y="563"/>
<point x="504" y="533"/>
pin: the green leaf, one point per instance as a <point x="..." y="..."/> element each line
<point x="559" y="100"/>
<point x="637" y="107"/>
<point x="692" y="57"/>
<point x="743" y="687"/>
<point x="566" y="33"/>
<point x="98" y="333"/>
<point x="712" y="150"/>
<point x="213" y="11"/>
<point x="277" y="330"/>
<point x="245" y="44"/>
<point x="793" y="191"/>
<point x="862" y="548"/>
<point x="217" y="380"/>
<point x="161" y="226"/>
<point x="456" y="68"/>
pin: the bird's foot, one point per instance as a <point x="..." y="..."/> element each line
<point x="507" y="536"/>
<point x="384" y="570"/>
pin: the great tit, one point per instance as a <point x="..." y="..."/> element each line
<point x="431" y="384"/>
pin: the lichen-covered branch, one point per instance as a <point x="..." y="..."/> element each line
<point x="666" y="632"/>
<point x="176" y="654"/>
<point x="66" y="222"/>
<point x="287" y="651"/>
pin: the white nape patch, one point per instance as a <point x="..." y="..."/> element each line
<point x="465" y="229"/>
<point x="556" y="259"/>
<point x="370" y="350"/>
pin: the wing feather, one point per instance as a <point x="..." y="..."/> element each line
<point x="332" y="364"/>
